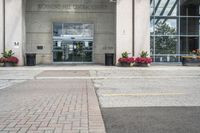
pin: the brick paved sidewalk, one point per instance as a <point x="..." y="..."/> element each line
<point x="50" y="106"/>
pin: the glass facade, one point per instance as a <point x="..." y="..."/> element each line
<point x="72" y="42"/>
<point x="175" y="29"/>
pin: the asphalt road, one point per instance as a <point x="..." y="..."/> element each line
<point x="133" y="101"/>
<point x="152" y="120"/>
<point x="146" y="101"/>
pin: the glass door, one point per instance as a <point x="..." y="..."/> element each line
<point x="72" y="42"/>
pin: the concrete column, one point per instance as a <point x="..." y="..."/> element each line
<point x="141" y="26"/>
<point x="14" y="37"/>
<point x="124" y="27"/>
<point x="1" y="27"/>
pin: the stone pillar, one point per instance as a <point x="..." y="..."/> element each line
<point x="141" y="26"/>
<point x="14" y="25"/>
<point x="1" y="27"/>
<point x="124" y="26"/>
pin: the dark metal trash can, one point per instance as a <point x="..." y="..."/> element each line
<point x="30" y="59"/>
<point x="109" y="59"/>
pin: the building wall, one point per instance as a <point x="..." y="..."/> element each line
<point x="141" y="26"/>
<point x="124" y="27"/>
<point x="14" y="28"/>
<point x="133" y="33"/>
<point x="41" y="14"/>
<point x="1" y="26"/>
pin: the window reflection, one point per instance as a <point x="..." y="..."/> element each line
<point x="189" y="7"/>
<point x="175" y="29"/>
<point x="165" y="26"/>
<point x="152" y="26"/>
<point x="188" y="44"/>
<point x="165" y="45"/>
<point x="190" y="26"/>
<point x="57" y="29"/>
<point x="152" y="52"/>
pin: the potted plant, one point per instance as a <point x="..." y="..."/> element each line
<point x="196" y="52"/>
<point x="143" y="60"/>
<point x="126" y="61"/>
<point x="8" y="59"/>
<point x="193" y="60"/>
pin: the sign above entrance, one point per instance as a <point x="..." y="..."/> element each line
<point x="113" y="0"/>
<point x="71" y="7"/>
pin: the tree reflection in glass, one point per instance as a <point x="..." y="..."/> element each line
<point x="165" y="44"/>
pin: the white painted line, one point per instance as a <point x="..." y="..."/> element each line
<point x="120" y="77"/>
<point x="142" y="94"/>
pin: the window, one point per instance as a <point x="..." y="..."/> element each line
<point x="73" y="42"/>
<point x="175" y="29"/>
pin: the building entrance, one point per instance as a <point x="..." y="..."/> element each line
<point x="73" y="42"/>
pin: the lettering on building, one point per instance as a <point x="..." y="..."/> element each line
<point x="108" y="48"/>
<point x="71" y="7"/>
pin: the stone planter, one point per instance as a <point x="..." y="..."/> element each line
<point x="8" y="64"/>
<point x="142" y="64"/>
<point x="189" y="61"/>
<point x="125" y="64"/>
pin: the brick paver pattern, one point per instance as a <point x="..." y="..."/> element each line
<point x="50" y="106"/>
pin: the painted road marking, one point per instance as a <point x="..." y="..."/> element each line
<point x="119" y="77"/>
<point x="142" y="94"/>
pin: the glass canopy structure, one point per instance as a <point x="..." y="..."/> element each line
<point x="175" y="29"/>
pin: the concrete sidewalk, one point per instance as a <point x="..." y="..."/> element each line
<point x="50" y="106"/>
<point x="97" y="67"/>
<point x="63" y="99"/>
<point x="12" y="75"/>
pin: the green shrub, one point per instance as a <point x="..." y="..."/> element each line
<point x="8" y="54"/>
<point x="125" y="55"/>
<point x="144" y="54"/>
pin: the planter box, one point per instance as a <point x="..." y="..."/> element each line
<point x="8" y="64"/>
<point x="189" y="61"/>
<point x="124" y="64"/>
<point x="142" y="64"/>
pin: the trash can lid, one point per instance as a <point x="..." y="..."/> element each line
<point x="31" y="53"/>
<point x="109" y="53"/>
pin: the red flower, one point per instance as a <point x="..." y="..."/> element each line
<point x="11" y="59"/>
<point x="127" y="60"/>
<point x="143" y="60"/>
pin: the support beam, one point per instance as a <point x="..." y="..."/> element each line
<point x="156" y="8"/>
<point x="171" y="10"/>
<point x="163" y="10"/>
<point x="151" y="1"/>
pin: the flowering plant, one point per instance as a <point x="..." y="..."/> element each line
<point x="8" y="57"/>
<point x="126" y="60"/>
<point x="196" y="52"/>
<point x="144" y="54"/>
<point x="125" y="55"/>
<point x="147" y="60"/>
<point x="11" y="59"/>
<point x="143" y="58"/>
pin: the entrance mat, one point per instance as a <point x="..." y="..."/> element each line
<point x="64" y="73"/>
